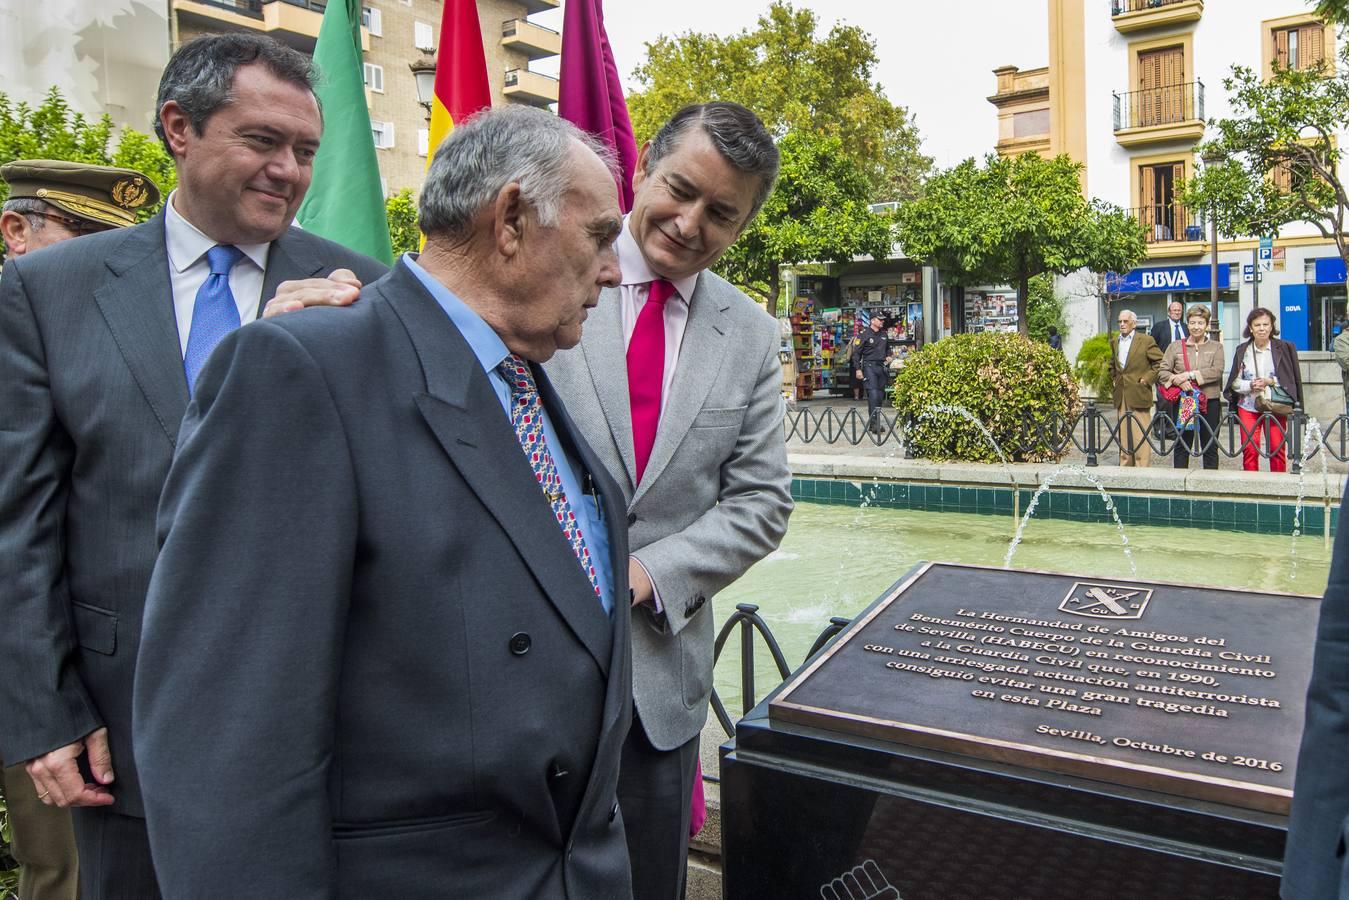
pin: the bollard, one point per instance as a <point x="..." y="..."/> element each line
<point x="747" y="655"/>
<point x="1091" y="415"/>
<point x="1294" y="437"/>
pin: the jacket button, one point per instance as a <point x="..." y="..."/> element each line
<point x="557" y="771"/>
<point x="520" y="643"/>
<point x="613" y="811"/>
<point x="632" y="519"/>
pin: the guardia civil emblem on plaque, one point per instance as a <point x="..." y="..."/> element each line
<point x="1106" y="601"/>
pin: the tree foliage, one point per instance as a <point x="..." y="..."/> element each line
<point x="1010" y="220"/>
<point x="401" y="211"/>
<point x="818" y="213"/>
<point x="794" y="81"/>
<point x="1043" y="308"/>
<point x="52" y="130"/>
<point x="1003" y="380"/>
<point x="1276" y="159"/>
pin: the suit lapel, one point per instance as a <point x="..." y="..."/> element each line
<point x="291" y="257"/>
<point x="137" y="303"/>
<point x="700" y="357"/>
<point x="606" y="359"/>
<point x="466" y="418"/>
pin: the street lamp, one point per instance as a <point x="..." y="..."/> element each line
<point x="1212" y="158"/>
<point x="424" y="72"/>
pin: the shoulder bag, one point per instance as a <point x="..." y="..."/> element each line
<point x="1273" y="399"/>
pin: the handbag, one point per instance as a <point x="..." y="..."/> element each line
<point x="1273" y="399"/>
<point x="1188" y="410"/>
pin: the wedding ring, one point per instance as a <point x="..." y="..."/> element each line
<point x="43" y="795"/>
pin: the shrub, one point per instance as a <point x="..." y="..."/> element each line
<point x="1092" y="369"/>
<point x="1002" y="379"/>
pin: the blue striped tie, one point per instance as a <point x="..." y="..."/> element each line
<point x="214" y="314"/>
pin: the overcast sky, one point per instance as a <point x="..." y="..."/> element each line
<point x="945" y="91"/>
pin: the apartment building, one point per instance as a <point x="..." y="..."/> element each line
<point x="1128" y="89"/>
<point x="396" y="36"/>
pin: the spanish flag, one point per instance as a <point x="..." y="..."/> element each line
<point x="461" y="71"/>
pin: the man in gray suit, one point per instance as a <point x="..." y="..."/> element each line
<point x="397" y="662"/>
<point x="677" y="386"/>
<point x="100" y="341"/>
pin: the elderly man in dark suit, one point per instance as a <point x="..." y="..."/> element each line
<point x="101" y="340"/>
<point x="1134" y="365"/>
<point x="398" y="663"/>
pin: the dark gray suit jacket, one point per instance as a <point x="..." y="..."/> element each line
<point x="376" y="669"/>
<point x="92" y="391"/>
<point x="1315" y="866"/>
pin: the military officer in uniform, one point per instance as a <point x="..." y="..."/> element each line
<point x="869" y="351"/>
<point x="52" y="201"/>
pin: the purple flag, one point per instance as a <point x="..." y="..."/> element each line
<point x="590" y="95"/>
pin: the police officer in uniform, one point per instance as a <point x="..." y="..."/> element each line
<point x="52" y="201"/>
<point x="869" y="351"/>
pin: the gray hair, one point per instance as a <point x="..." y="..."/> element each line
<point x="31" y="209"/>
<point x="737" y="133"/>
<point x="200" y="75"/>
<point x="491" y="150"/>
<point x="1128" y="314"/>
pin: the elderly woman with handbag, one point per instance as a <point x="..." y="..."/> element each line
<point x="1191" y="377"/>
<point x="1265" y="385"/>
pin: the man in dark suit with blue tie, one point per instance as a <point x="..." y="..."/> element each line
<point x="101" y="341"/>
<point x="398" y="663"/>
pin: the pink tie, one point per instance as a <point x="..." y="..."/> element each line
<point x="646" y="371"/>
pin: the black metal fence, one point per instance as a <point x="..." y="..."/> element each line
<point x="747" y="621"/>
<point x="1094" y="433"/>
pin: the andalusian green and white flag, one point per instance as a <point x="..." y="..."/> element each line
<point x="345" y="202"/>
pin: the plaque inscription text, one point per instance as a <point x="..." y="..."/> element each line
<point x="1193" y="691"/>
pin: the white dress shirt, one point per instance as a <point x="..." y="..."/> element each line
<point x="1125" y="342"/>
<point x="637" y="278"/>
<point x="1253" y="361"/>
<point x="188" y="270"/>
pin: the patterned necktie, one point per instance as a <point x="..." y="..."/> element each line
<point x="214" y="314"/>
<point x="527" y="418"/>
<point x="1176" y="329"/>
<point x="646" y="371"/>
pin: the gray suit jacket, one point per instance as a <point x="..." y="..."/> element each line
<point x="92" y="391"/>
<point x="716" y="493"/>
<point x="376" y="669"/>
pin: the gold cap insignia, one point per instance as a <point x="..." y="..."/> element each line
<point x="130" y="193"/>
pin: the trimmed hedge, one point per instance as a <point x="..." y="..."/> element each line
<point x="1002" y="379"/>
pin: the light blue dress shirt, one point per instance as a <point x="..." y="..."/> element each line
<point x="490" y="350"/>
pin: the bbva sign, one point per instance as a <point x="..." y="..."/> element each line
<point x="1164" y="279"/>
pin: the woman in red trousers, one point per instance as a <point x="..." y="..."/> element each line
<point x="1262" y="361"/>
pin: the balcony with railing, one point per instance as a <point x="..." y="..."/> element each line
<point x="533" y="88"/>
<point x="1172" y="112"/>
<point x="295" y="22"/>
<point x="1166" y="224"/>
<point x="534" y="41"/>
<point x="1136" y="15"/>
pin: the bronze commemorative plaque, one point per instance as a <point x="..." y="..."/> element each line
<point x="1187" y="690"/>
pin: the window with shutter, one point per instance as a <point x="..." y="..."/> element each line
<point x="422" y="36"/>
<point x="1161" y="86"/>
<point x="1300" y="47"/>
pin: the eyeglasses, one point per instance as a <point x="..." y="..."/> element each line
<point x="79" y="227"/>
